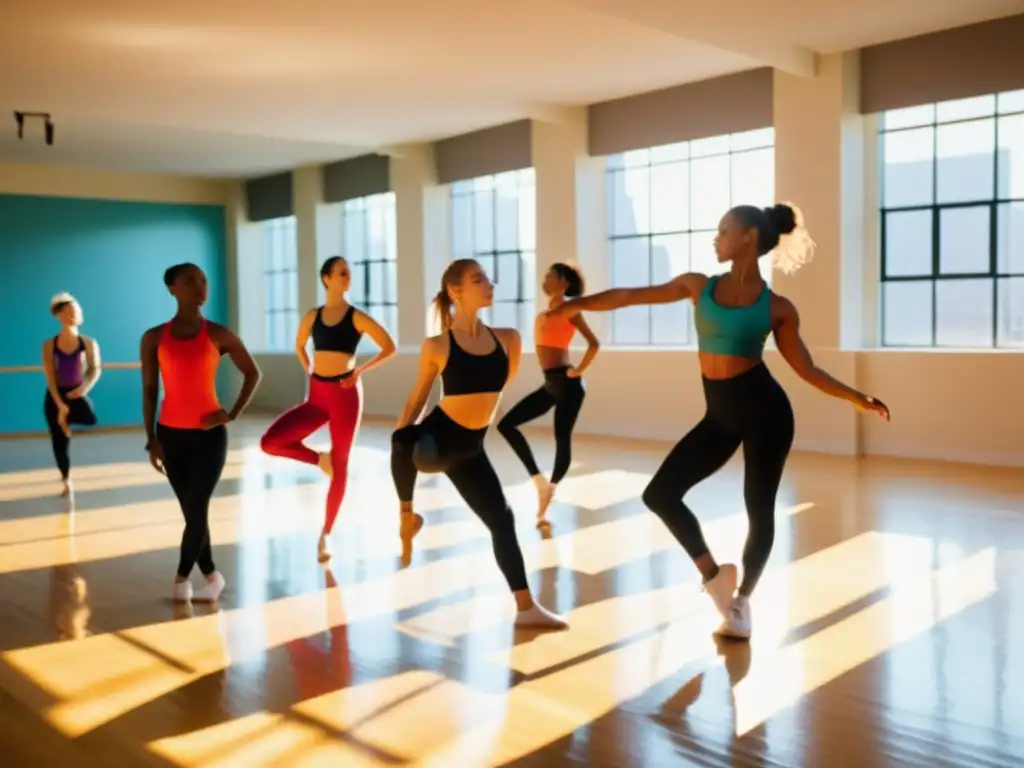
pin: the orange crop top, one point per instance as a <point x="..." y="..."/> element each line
<point x="556" y="334"/>
<point x="188" y="370"/>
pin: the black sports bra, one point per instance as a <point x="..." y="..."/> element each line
<point x="341" y="337"/>
<point x="467" y="374"/>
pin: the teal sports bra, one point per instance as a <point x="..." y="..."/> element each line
<point x="736" y="331"/>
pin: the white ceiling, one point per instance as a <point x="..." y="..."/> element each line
<point x="239" y="88"/>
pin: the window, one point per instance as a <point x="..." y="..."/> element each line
<point x="494" y="222"/>
<point x="664" y="205"/>
<point x="280" y="284"/>
<point x="371" y="250"/>
<point x="952" y="223"/>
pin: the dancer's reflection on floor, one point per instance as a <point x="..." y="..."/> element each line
<point x="69" y="592"/>
<point x="321" y="663"/>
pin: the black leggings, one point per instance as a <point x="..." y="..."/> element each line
<point x="469" y="469"/>
<point x="193" y="461"/>
<point x="563" y="394"/>
<point x="80" y="412"/>
<point x="750" y="409"/>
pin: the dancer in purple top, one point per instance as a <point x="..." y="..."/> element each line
<point x="72" y="365"/>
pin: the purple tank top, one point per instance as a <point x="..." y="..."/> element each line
<point x="68" y="366"/>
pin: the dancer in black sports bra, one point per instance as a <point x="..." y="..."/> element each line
<point x="335" y="391"/>
<point x="475" y="363"/>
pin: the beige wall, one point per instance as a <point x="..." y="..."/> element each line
<point x="16" y="179"/>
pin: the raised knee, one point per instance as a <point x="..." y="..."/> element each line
<point x="506" y="427"/>
<point x="268" y="445"/>
<point x="653" y="496"/>
<point x="403" y="439"/>
<point x="650" y="497"/>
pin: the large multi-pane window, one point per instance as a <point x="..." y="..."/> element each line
<point x="280" y="284"/>
<point x="664" y="205"/>
<point x="371" y="251"/>
<point x="952" y="223"/>
<point x="494" y="222"/>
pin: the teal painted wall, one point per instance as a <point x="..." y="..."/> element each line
<point x="111" y="255"/>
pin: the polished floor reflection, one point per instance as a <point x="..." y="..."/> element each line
<point x="889" y="626"/>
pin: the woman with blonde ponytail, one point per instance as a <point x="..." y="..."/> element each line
<point x="443" y="307"/>
<point x="475" y="363"/>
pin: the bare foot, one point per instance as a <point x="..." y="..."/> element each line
<point x="411" y="525"/>
<point x="62" y="421"/>
<point x="324" y="462"/>
<point x="323" y="550"/>
<point x="545" y="495"/>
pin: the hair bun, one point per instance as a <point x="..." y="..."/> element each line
<point x="782" y="218"/>
<point x="62" y="298"/>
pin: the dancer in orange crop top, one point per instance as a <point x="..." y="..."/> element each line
<point x="190" y="443"/>
<point x="562" y="389"/>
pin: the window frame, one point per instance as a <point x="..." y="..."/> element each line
<point x="525" y="288"/>
<point x="935" y="210"/>
<point x="362" y="207"/>
<point x="648" y="237"/>
<point x="283" y="230"/>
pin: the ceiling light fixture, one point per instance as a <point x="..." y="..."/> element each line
<point x="19" y="118"/>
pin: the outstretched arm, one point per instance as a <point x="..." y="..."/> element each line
<point x="417" y="399"/>
<point x="787" y="338"/>
<point x="677" y="289"/>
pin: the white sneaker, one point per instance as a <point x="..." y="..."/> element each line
<point x="722" y="588"/>
<point x="540" y="617"/>
<point x="739" y="621"/>
<point x="210" y="591"/>
<point x="182" y="591"/>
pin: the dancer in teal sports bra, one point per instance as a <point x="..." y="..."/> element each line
<point x="734" y="313"/>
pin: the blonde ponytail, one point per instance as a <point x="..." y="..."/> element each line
<point x="452" y="276"/>
<point x="443" y="307"/>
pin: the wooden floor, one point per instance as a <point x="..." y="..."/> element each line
<point x="889" y="626"/>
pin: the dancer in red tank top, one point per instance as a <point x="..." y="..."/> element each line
<point x="190" y="443"/>
<point x="335" y="387"/>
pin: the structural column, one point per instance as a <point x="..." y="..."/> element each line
<point x="422" y="217"/>
<point x="570" y="206"/>
<point x="307" y="194"/>
<point x="820" y="167"/>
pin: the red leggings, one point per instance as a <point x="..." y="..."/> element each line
<point x="328" y="403"/>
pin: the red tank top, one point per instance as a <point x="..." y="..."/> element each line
<point x="188" y="370"/>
